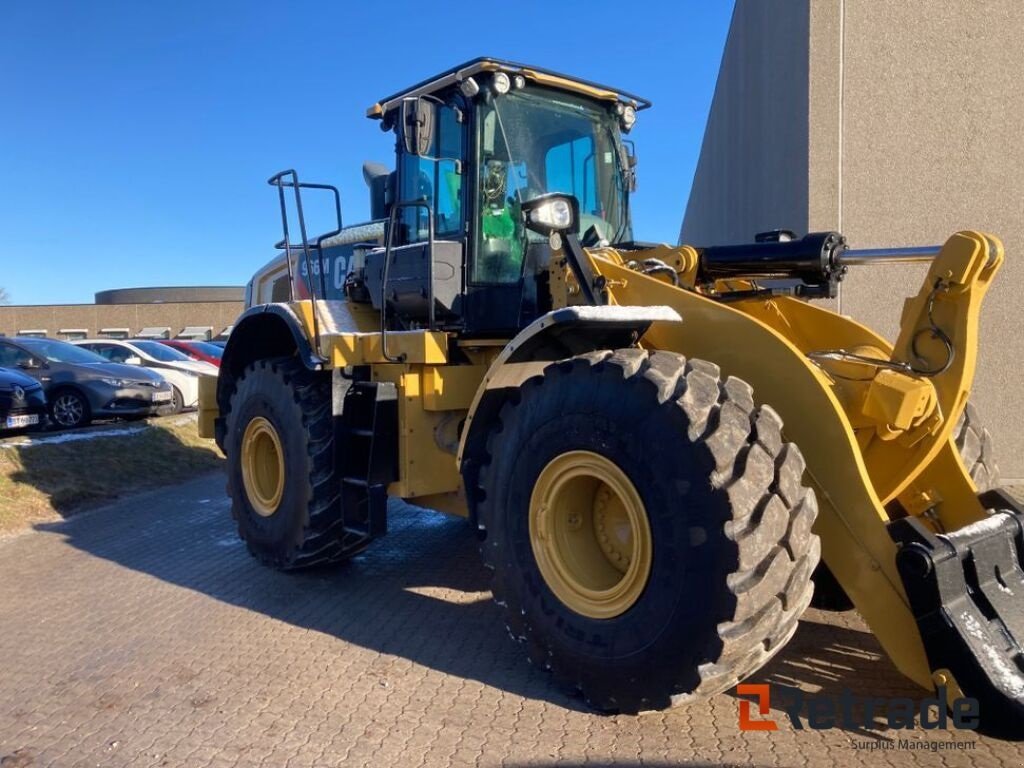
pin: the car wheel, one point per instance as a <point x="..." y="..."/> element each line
<point x="178" y="402"/>
<point x="70" y="409"/>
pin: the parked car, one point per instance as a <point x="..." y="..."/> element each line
<point x="203" y="351"/>
<point x="81" y="385"/>
<point x="182" y="373"/>
<point x="218" y="343"/>
<point x="22" y="401"/>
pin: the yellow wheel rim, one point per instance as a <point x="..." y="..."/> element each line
<point x="590" y="534"/>
<point x="262" y="466"/>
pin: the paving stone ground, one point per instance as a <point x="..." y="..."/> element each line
<point x="142" y="634"/>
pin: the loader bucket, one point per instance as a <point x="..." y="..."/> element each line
<point x="966" y="590"/>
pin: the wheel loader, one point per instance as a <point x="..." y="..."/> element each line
<point x="663" y="448"/>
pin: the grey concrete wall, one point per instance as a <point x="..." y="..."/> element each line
<point x="135" y="317"/>
<point x="752" y="171"/>
<point x="932" y="141"/>
<point x="913" y="129"/>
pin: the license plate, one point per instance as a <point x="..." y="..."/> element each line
<point x="161" y="397"/>
<point x="26" y="420"/>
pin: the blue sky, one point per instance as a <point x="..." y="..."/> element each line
<point x="136" y="138"/>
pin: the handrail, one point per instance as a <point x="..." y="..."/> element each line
<point x="278" y="180"/>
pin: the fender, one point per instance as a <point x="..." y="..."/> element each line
<point x="556" y="335"/>
<point x="265" y="330"/>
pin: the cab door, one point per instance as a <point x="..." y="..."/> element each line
<point x="437" y="179"/>
<point x="425" y="274"/>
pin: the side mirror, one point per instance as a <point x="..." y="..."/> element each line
<point x="133" y="360"/>
<point x="419" y="116"/>
<point x="32" y="364"/>
<point x="628" y="160"/>
<point x="552" y="213"/>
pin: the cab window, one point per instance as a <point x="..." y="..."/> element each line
<point x="569" y="168"/>
<point x="435" y="179"/>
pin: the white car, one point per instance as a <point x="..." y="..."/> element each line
<point x="179" y="370"/>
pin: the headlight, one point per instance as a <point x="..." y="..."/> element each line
<point x="553" y="216"/>
<point x="554" y="212"/>
<point x="117" y="383"/>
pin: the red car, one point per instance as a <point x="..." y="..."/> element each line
<point x="197" y="350"/>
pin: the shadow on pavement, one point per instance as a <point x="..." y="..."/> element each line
<point x="621" y="764"/>
<point x="419" y="593"/>
<point x="825" y="659"/>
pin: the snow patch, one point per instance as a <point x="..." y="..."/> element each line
<point x="73" y="437"/>
<point x="626" y="313"/>
<point x="990" y="524"/>
<point x="1009" y="678"/>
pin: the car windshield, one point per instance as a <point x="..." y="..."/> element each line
<point x="160" y="352"/>
<point x="208" y="349"/>
<point x="54" y="351"/>
<point x="535" y="141"/>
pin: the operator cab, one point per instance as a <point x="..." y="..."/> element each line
<point x="472" y="145"/>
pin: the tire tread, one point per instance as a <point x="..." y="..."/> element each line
<point x="773" y="513"/>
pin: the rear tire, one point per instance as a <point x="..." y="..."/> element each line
<point x="976" y="448"/>
<point x="282" y="475"/>
<point x="729" y="520"/>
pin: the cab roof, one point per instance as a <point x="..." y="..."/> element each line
<point x="547" y="77"/>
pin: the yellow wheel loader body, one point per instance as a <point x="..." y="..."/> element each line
<point x="518" y="403"/>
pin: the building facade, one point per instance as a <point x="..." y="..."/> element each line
<point x="895" y="123"/>
<point x="183" y="312"/>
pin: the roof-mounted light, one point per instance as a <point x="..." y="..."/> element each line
<point x="469" y="87"/>
<point x="628" y="117"/>
<point x="501" y="83"/>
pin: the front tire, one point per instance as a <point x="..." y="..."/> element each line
<point x="706" y="498"/>
<point x="282" y="475"/>
<point x="70" y="409"/>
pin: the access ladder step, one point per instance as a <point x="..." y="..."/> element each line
<point x="367" y="450"/>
